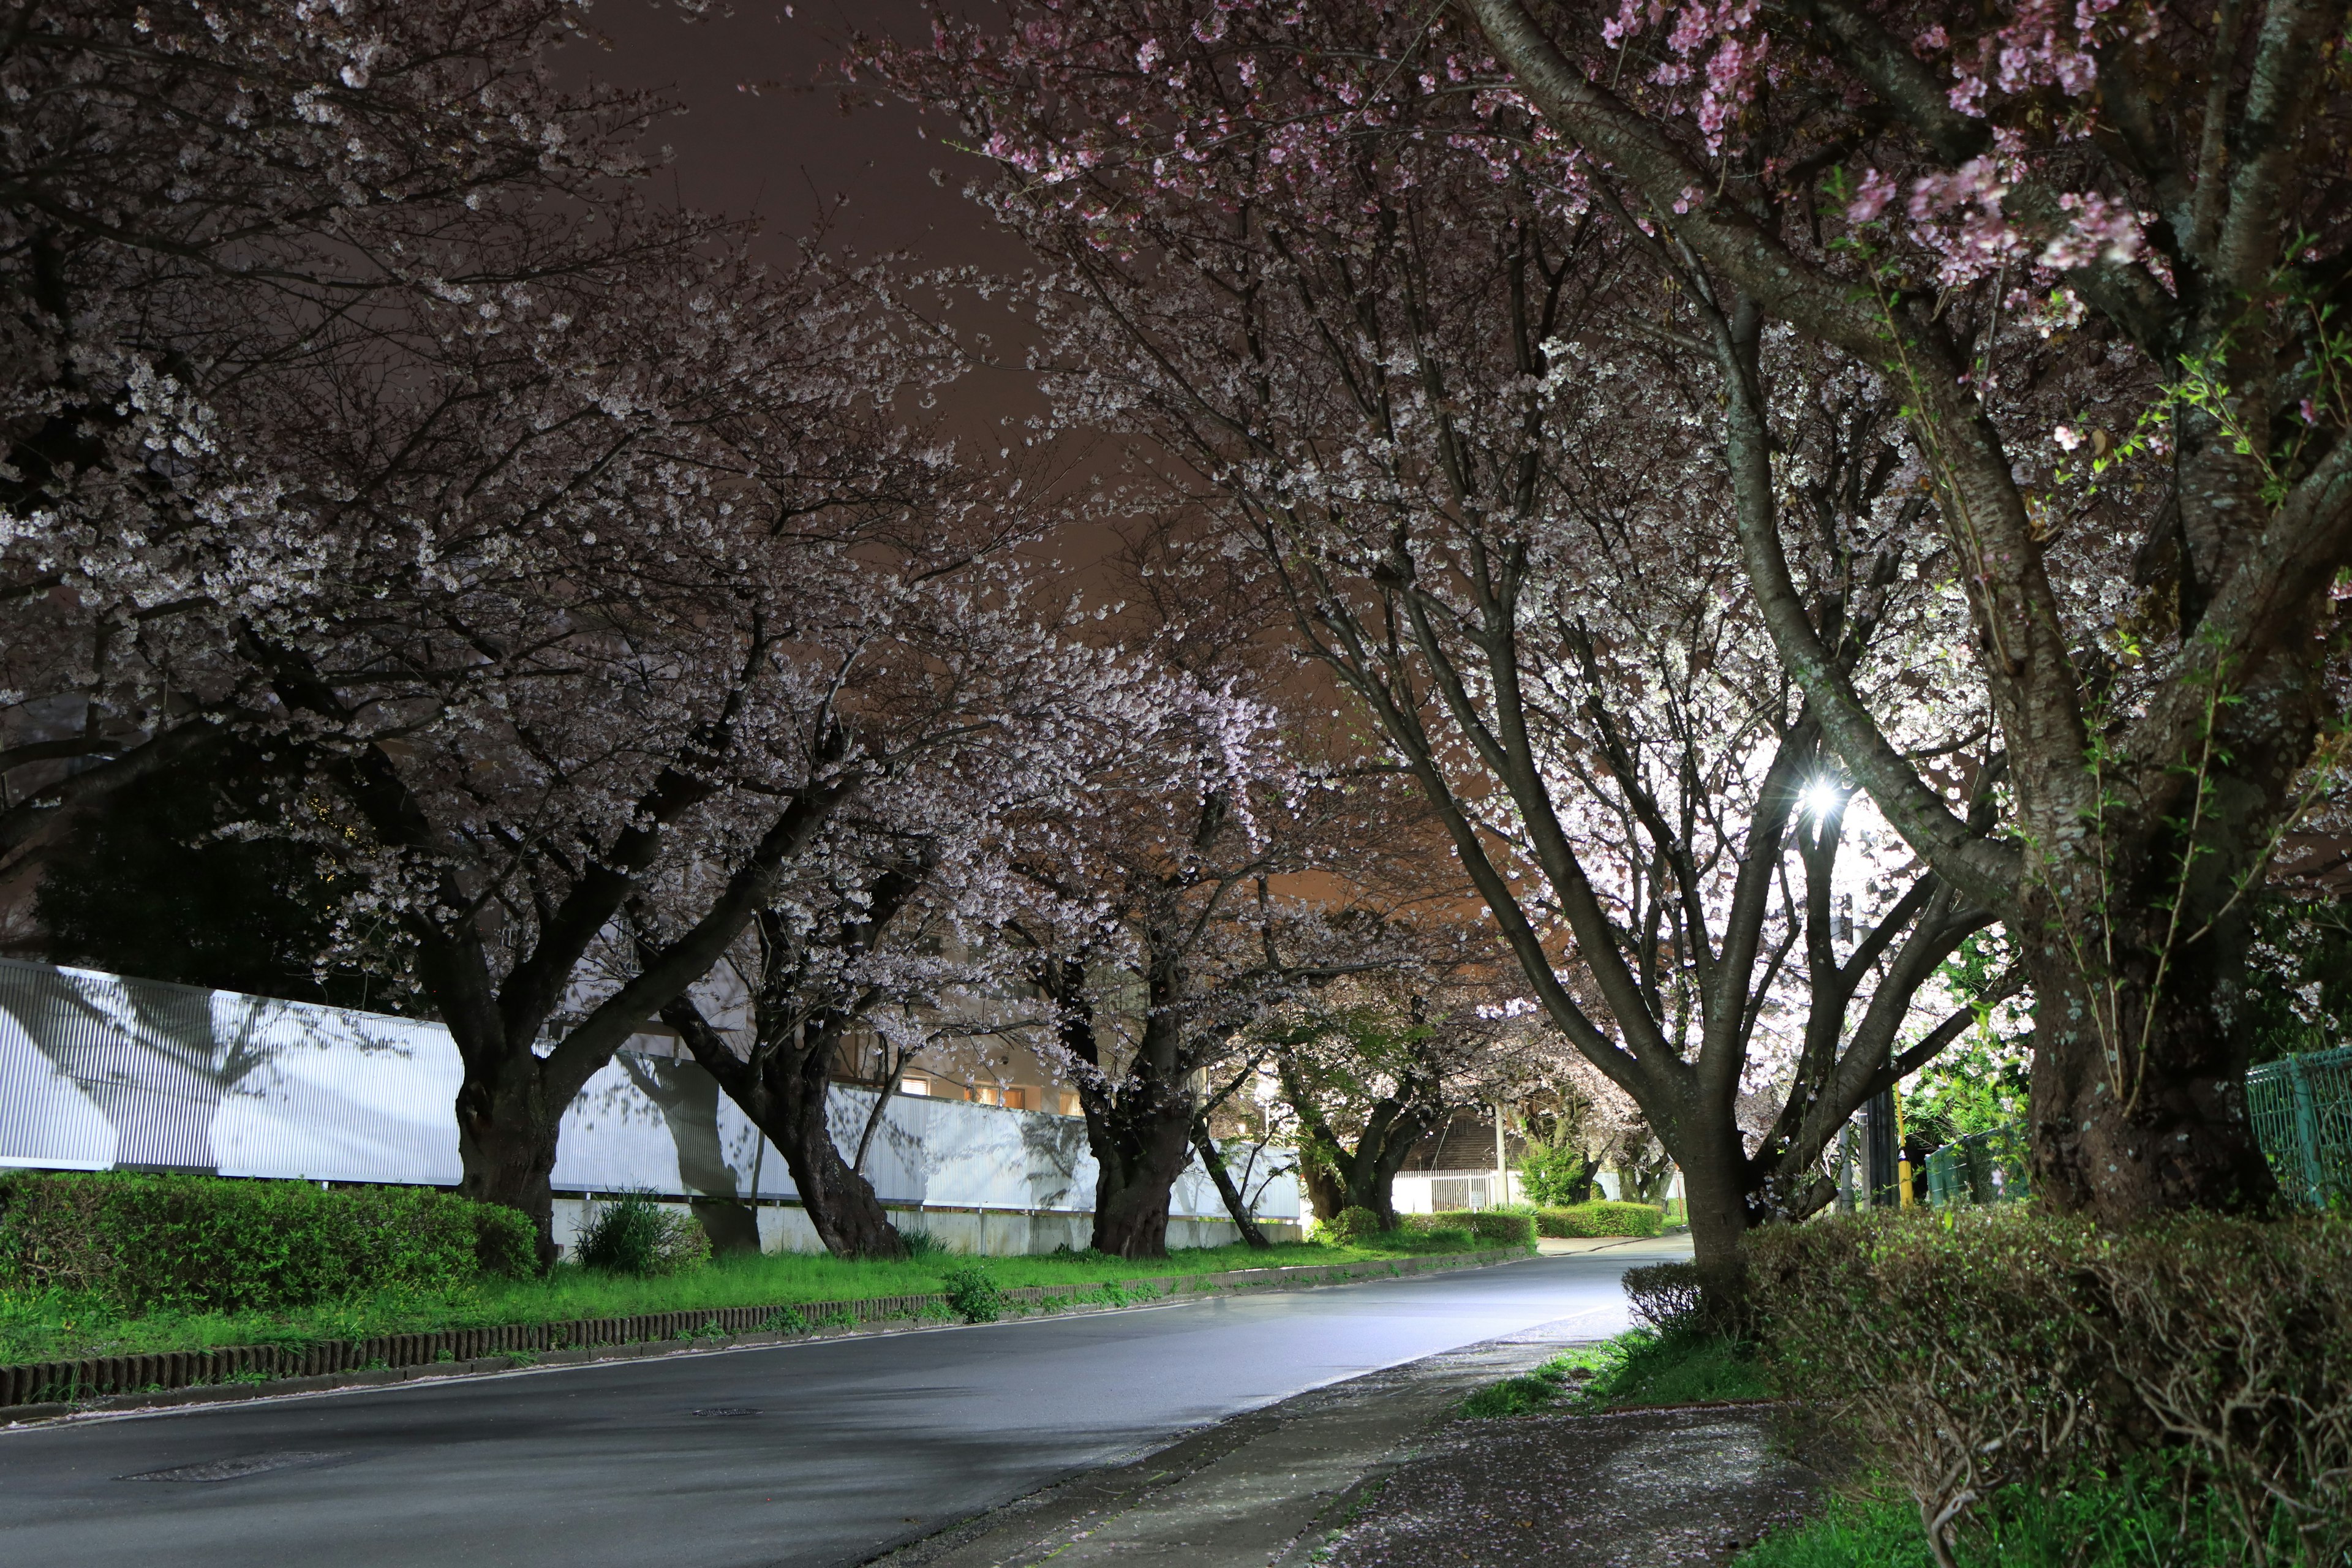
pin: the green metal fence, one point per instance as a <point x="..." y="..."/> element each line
<point x="2301" y="1109"/>
<point x="1981" y="1168"/>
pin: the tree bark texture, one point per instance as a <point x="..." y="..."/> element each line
<point x="1213" y="1158"/>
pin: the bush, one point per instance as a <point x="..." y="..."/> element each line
<point x="973" y="1292"/>
<point x="1556" y="1176"/>
<point x="140" y="1243"/>
<point x="1506" y="1226"/>
<point x="923" y="1244"/>
<point x="1349" y="1226"/>
<point x="1601" y="1218"/>
<point x="629" y="1233"/>
<point x="1976" y="1349"/>
<point x="1498" y="1225"/>
<point x="1664" y="1296"/>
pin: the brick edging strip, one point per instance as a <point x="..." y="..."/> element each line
<point x="40" y="1390"/>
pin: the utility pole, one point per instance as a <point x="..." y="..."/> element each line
<point x="1502" y="1162"/>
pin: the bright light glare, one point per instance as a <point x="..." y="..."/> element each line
<point x="1822" y="798"/>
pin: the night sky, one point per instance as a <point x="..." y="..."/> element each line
<point x="758" y="137"/>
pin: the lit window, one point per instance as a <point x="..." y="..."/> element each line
<point x="914" y="1083"/>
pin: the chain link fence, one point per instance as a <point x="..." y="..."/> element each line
<point x="2301" y="1111"/>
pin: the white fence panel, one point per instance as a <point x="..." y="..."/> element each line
<point x="100" y="1071"/>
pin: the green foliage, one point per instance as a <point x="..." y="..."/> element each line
<point x="1507" y="1227"/>
<point x="630" y="1233"/>
<point x="1601" y="1218"/>
<point x="1556" y="1176"/>
<point x="784" y="1320"/>
<point x="39" y="1323"/>
<point x="1518" y="1396"/>
<point x="1978" y="1083"/>
<point x="972" y="1291"/>
<point x="2131" y="1520"/>
<point x="140" y="1243"/>
<point x="1634" y="1371"/>
<point x="922" y="1244"/>
<point x="2298" y="990"/>
<point x="1643" y="1367"/>
<point x="1351" y="1225"/>
<point x="2008" y="1347"/>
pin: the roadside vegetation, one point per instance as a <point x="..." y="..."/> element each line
<point x="1639" y="1369"/>
<point x="269" y="1277"/>
<point x="2020" y="1386"/>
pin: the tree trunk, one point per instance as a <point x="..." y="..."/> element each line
<point x="506" y="1145"/>
<point x="1142" y="1140"/>
<point x="1236" y="1202"/>
<point x="2139" y="1099"/>
<point x="1717" y="1186"/>
<point x="784" y="1091"/>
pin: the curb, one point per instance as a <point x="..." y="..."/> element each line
<point x="176" y="1378"/>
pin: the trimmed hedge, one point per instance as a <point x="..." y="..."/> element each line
<point x="1487" y="1225"/>
<point x="204" y="1244"/>
<point x="1351" y="1225"/>
<point x="1601" y="1218"/>
<point x="1969" y="1350"/>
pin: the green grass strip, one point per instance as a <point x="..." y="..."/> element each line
<point x="49" y="1325"/>
<point x="1632" y="1372"/>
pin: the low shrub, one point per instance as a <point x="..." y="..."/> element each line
<point x="1976" y="1349"/>
<point x="1500" y="1224"/>
<point x="923" y="1244"/>
<point x="1601" y="1218"/>
<point x="630" y="1233"/>
<point x="1664" y="1296"/>
<point x="1504" y="1226"/>
<point x="972" y="1290"/>
<point x="143" y="1243"/>
<point x="1351" y="1225"/>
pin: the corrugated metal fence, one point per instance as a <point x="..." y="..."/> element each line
<point x="98" y="1071"/>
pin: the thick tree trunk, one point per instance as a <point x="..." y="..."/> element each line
<point x="1142" y="1140"/>
<point x="784" y="1090"/>
<point x="1236" y="1202"/>
<point x="2139" y="1099"/>
<point x="1717" y="1185"/>
<point x="506" y="1147"/>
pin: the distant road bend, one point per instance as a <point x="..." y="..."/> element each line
<point x="815" y="1454"/>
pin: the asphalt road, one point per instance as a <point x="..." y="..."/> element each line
<point x="813" y="1454"/>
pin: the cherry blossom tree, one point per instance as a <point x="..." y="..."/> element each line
<point x="2099" y="256"/>
<point x="373" y="425"/>
<point x="203" y="203"/>
<point x="1208" y="880"/>
<point x="897" y="929"/>
<point x="1445" y="413"/>
<point x="1370" y="1065"/>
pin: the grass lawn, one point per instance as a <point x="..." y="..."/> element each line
<point x="2119" y="1521"/>
<point x="1635" y="1370"/>
<point x="57" y="1326"/>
